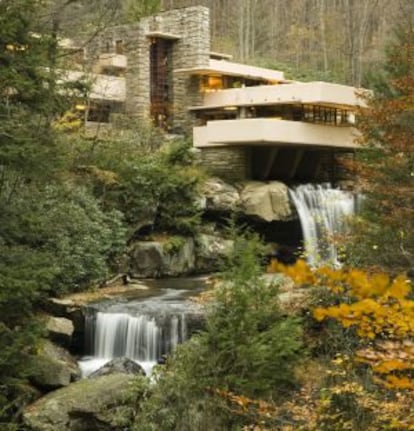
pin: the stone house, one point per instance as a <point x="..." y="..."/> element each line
<point x="247" y="122"/>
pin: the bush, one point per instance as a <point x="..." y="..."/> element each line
<point x="64" y="227"/>
<point x="82" y="238"/>
<point x="248" y="348"/>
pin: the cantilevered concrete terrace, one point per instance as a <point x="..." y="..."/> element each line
<point x="275" y="132"/>
<point x="316" y="114"/>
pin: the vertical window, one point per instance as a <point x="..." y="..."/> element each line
<point x="119" y="47"/>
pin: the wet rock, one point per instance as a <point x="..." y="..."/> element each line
<point x="119" y="365"/>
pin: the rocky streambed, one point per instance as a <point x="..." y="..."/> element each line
<point x="115" y="326"/>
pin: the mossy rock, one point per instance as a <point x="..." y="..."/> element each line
<point x="94" y="404"/>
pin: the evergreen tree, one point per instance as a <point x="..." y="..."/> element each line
<point x="53" y="236"/>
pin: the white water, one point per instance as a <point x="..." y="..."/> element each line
<point x="139" y="338"/>
<point x="117" y="335"/>
<point x="141" y="330"/>
<point x="323" y="213"/>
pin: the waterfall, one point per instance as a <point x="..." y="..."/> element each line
<point x="142" y="327"/>
<point x="322" y="212"/>
<point x="143" y="338"/>
<point x="117" y="335"/>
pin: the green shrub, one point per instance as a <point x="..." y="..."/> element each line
<point x="158" y="187"/>
<point x="65" y="227"/>
<point x="248" y="347"/>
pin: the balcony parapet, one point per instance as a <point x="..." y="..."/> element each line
<point x="269" y="131"/>
<point x="312" y="93"/>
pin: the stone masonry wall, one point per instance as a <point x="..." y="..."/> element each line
<point x="192" y="26"/>
<point x="229" y="163"/>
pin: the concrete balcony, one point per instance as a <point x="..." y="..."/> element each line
<point x="112" y="61"/>
<point x="313" y="93"/>
<point x="102" y="87"/>
<point x="273" y="132"/>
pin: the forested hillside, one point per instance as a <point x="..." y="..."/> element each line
<point x="335" y="40"/>
<point x="339" y="40"/>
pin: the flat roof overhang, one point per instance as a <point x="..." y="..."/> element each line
<point x="228" y="68"/>
<point x="162" y="35"/>
<point x="310" y="93"/>
<point x="214" y="55"/>
<point x="274" y="132"/>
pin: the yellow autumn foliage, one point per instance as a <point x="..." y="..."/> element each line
<point x="300" y="273"/>
<point x="379" y="308"/>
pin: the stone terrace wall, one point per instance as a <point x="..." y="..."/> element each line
<point x="229" y="163"/>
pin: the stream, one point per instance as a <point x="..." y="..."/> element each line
<point x="144" y="329"/>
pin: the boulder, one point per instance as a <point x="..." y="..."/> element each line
<point x="266" y="201"/>
<point x="211" y="250"/>
<point x="60" y="330"/>
<point x="119" y="365"/>
<point x="157" y="259"/>
<point x="63" y="307"/>
<point x="53" y="367"/>
<point x="220" y="196"/>
<point x="47" y="374"/>
<point x="180" y="261"/>
<point x="86" y="405"/>
<point x="146" y="259"/>
<point x="58" y="353"/>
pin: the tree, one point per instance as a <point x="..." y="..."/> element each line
<point x="154" y="183"/>
<point x="53" y="236"/>
<point x="134" y="10"/>
<point x="386" y="162"/>
<point x="364" y="343"/>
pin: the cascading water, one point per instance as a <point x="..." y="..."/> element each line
<point x="139" y="338"/>
<point x="142" y="330"/>
<point x="322" y="211"/>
